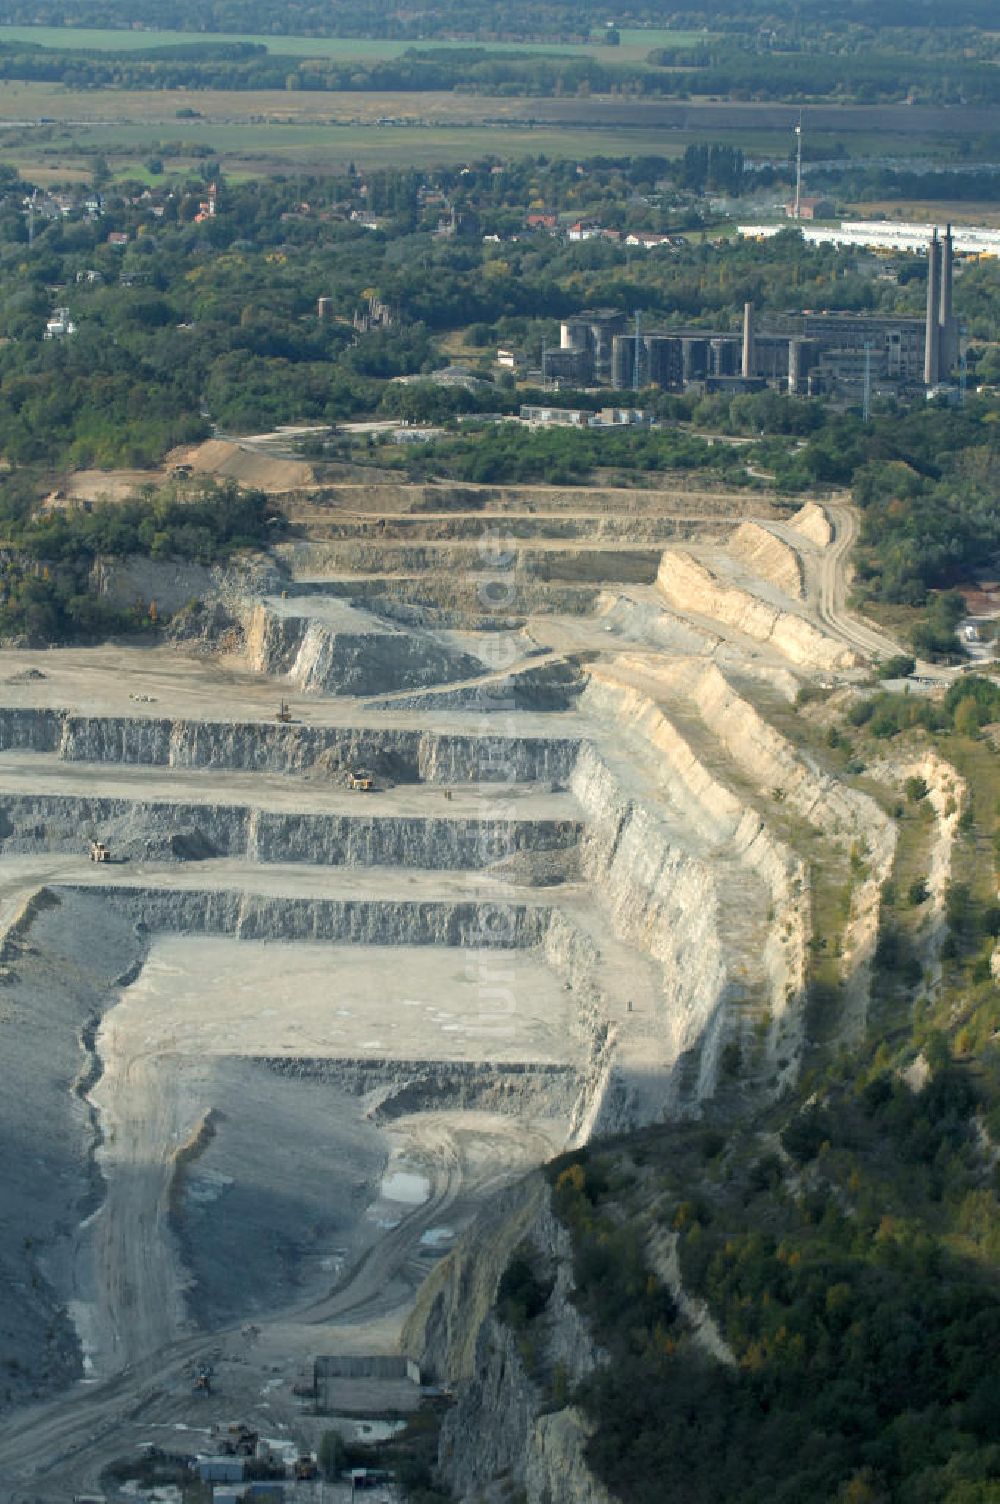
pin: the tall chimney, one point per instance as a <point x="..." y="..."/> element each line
<point x="747" y="339"/>
<point x="932" y="330"/>
<point x="947" y="342"/>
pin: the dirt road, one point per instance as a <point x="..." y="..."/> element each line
<point x="833" y="588"/>
<point x="57" y="1450"/>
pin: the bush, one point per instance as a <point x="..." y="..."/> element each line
<point x="331" y="1455"/>
<point x="806" y="1133"/>
<point x="898" y="667"/>
<point x="521" y="1294"/>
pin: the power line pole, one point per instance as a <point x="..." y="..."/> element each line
<point x="866" y="406"/>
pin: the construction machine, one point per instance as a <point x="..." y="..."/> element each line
<point x="99" y="852"/>
<point x="283" y="713"/>
<point x="361" y="781"/>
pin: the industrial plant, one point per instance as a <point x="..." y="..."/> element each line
<point x="809" y="354"/>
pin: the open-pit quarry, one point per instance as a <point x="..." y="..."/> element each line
<point x="463" y="827"/>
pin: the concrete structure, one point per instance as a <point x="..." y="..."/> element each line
<point x="585" y="351"/>
<point x="746" y="366"/>
<point x="941" y="342"/>
<point x="331" y="1374"/>
<point x="673" y="359"/>
<point x="808" y="354"/>
<point x="932" y="341"/>
<point x="826" y="352"/>
<point x="948" y="334"/>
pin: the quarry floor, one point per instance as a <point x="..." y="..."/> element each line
<point x="105" y="681"/>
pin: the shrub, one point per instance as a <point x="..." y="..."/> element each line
<point x="522" y="1294"/>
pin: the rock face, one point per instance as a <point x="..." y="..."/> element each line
<point x="139" y="830"/>
<point x="512" y="1423"/>
<point x="253" y="916"/>
<point x="689" y="585"/>
<point x="140" y="580"/>
<point x="693" y="881"/>
<point x="769" y="557"/>
<point x="404" y="755"/>
<point x="393" y="1089"/>
<point x="331" y="647"/>
<point x="813" y="523"/>
<point x="662" y="898"/>
<point x="50" y="1177"/>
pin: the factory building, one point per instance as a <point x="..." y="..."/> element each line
<point x="672" y="359"/>
<point x="805" y="354"/>
<point x="817" y="353"/>
<point x="812" y="354"/>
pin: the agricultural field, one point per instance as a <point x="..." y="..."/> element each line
<point x="635" y="43"/>
<point x="51" y="133"/>
<point x="923" y="211"/>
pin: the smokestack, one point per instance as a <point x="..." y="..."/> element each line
<point x="747" y="339"/>
<point x="947" y="342"/>
<point x="932" y="329"/>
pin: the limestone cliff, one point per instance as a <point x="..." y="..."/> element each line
<point x="688" y="584"/>
<point x="512" y="1424"/>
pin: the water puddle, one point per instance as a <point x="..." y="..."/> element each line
<point x="436" y="1237"/>
<point x="405" y="1186"/>
<point x="377" y="1430"/>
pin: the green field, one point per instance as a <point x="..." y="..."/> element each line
<point x="50" y="133"/>
<point x="263" y="149"/>
<point x="635" y="43"/>
<point x="254" y="149"/>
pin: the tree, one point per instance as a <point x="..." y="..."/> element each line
<point x="967" y="717"/>
<point x="332" y="1455"/>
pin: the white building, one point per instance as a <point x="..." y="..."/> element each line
<point x="60" y="325"/>
<point x="883" y="235"/>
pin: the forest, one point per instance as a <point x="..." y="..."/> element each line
<point x="564" y="20"/>
<point x="849" y="1273"/>
<point x="722" y="68"/>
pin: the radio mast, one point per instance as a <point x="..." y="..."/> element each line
<point x="798" y="168"/>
